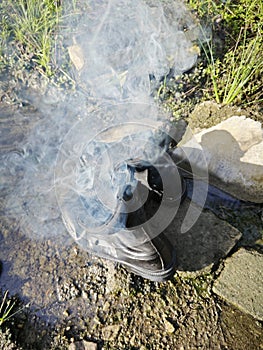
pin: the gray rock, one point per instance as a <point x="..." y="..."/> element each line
<point x="77" y="56"/>
<point x="204" y="244"/>
<point x="233" y="150"/>
<point x="111" y="332"/>
<point x="83" y="345"/>
<point x="241" y="282"/>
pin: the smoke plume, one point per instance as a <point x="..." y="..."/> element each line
<point x="71" y="166"/>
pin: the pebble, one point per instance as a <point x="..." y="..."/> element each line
<point x="110" y="332"/>
<point x="168" y="326"/>
<point x="83" y="345"/>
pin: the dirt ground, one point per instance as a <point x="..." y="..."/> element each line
<point x="64" y="295"/>
<point x="75" y="296"/>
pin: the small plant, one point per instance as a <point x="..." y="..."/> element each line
<point x="245" y="65"/>
<point x="236" y="79"/>
<point x="213" y="68"/>
<point x="5" y="309"/>
<point x="237" y="76"/>
<point x="206" y="8"/>
<point x="30" y="27"/>
<point x="33" y="26"/>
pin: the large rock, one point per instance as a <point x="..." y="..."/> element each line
<point x="241" y="282"/>
<point x="233" y="150"/>
<point x="207" y="241"/>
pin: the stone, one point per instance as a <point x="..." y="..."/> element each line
<point x="233" y="150"/>
<point x="241" y="282"/>
<point x="168" y="326"/>
<point x="77" y="56"/>
<point x="202" y="245"/>
<point x="110" y="332"/>
<point x="83" y="345"/>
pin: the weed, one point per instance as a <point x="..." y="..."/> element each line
<point x="213" y="68"/>
<point x="206" y="8"/>
<point x="236" y="74"/>
<point x="31" y="46"/>
<point x="33" y="25"/>
<point x="178" y="95"/>
<point x="30" y="28"/>
<point x="5" y="309"/>
<point x="246" y="64"/>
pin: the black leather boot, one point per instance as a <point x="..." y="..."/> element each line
<point x="141" y="245"/>
<point x="145" y="251"/>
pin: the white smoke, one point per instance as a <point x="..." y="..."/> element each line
<point x="125" y="42"/>
<point x="67" y="163"/>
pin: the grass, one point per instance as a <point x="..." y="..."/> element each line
<point x="34" y="28"/>
<point x="236" y="77"/>
<point x="229" y="68"/>
<point x="5" y="309"/>
<point x="231" y="72"/>
<point x="28" y="33"/>
<point x="213" y="67"/>
<point x="31" y="42"/>
<point x="245" y="65"/>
